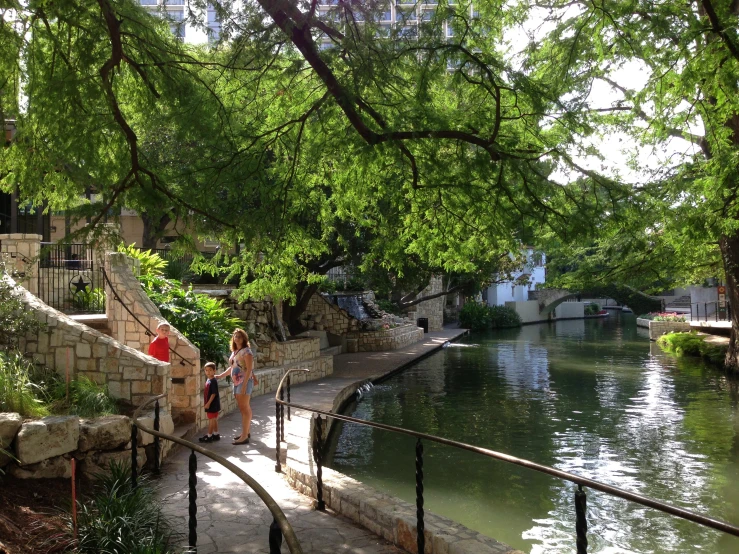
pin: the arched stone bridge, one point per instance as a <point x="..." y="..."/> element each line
<point x="639" y="302"/>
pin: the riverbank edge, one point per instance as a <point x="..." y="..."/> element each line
<point x="384" y="515"/>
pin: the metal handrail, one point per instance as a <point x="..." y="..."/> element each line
<point x="148" y="331"/>
<point x="580" y="481"/>
<point x="277" y="513"/>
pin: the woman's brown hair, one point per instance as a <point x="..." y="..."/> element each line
<point x="243" y="335"/>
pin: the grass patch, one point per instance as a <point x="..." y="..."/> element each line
<point x="692" y="344"/>
<point x="34" y="391"/>
<point x="18" y="392"/>
<point x="86" y="399"/>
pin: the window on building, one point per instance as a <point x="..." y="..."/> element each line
<point x="408" y="31"/>
<point x="403" y="16"/>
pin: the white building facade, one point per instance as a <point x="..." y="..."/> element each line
<point x="174" y="12"/>
<point x="517" y="289"/>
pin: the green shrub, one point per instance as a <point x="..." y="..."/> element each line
<point x="179" y="270"/>
<point x="328" y="286"/>
<point x="119" y="519"/>
<point x="93" y="299"/>
<point x="389" y="307"/>
<point x="692" y="344"/>
<point x="202" y="319"/>
<point x="18" y="393"/>
<point x="150" y="263"/>
<point x="475" y="316"/>
<point x="592" y="308"/>
<point x="86" y="399"/>
<point x="502" y="317"/>
<point x="16" y="320"/>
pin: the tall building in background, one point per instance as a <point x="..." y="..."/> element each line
<point x="174" y="12"/>
<point x="405" y="16"/>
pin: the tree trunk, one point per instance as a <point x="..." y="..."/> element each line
<point x="291" y="314"/>
<point x="729" y="246"/>
<point x="153" y="230"/>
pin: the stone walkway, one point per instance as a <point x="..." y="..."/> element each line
<point x="231" y="517"/>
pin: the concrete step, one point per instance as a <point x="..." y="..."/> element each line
<point x="99" y="322"/>
<point x="331" y="351"/>
<point x="682" y="302"/>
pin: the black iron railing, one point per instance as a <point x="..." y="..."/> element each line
<point x="69" y="278"/>
<point x="710" y="311"/>
<point x="280" y="526"/>
<point x="579" y="497"/>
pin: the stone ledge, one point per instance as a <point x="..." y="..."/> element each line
<point x="389" y="517"/>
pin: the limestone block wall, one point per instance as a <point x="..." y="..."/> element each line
<point x="269" y="378"/>
<point x="75" y="350"/>
<point x="273" y="354"/>
<point x="326" y="316"/>
<point x="659" y="328"/>
<point x="432" y="309"/>
<point x="45" y="447"/>
<point x="132" y="324"/>
<point x="258" y="317"/>
<point x="386" y="339"/>
<point x="21" y="253"/>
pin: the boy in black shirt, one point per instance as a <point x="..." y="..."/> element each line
<point x="212" y="403"/>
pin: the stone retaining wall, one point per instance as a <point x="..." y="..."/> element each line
<point x="74" y="350"/>
<point x="45" y="447"/>
<point x="659" y="328"/>
<point x="386" y="339"/>
<point x="131" y="326"/>
<point x="391" y="518"/>
<point x="325" y="316"/>
<point x="273" y="354"/>
<point x="269" y="379"/>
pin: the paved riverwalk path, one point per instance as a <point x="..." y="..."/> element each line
<point x="231" y="517"/>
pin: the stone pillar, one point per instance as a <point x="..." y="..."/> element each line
<point x="432" y="309"/>
<point x="21" y="254"/>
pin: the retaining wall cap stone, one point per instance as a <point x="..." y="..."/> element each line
<point x="46" y="438"/>
<point x="105" y="433"/>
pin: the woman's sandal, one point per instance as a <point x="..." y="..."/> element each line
<point x="245" y="441"/>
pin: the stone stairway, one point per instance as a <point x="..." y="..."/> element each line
<point x="679" y="304"/>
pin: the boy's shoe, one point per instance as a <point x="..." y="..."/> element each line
<point x="216" y="437"/>
<point x="206" y="438"/>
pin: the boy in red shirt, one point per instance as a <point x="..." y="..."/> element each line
<point x="159" y="347"/>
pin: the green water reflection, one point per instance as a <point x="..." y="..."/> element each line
<point x="590" y="397"/>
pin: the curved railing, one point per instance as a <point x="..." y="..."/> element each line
<point x="280" y="525"/>
<point x="581" y="525"/>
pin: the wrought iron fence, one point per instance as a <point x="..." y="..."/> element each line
<point x="709" y="311"/>
<point x="280" y="526"/>
<point x="579" y="494"/>
<point x="69" y="278"/>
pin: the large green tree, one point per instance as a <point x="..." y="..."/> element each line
<point x="672" y="68"/>
<point x="437" y="147"/>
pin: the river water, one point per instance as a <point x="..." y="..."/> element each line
<point x="592" y="397"/>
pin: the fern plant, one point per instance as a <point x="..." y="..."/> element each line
<point x="150" y="262"/>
